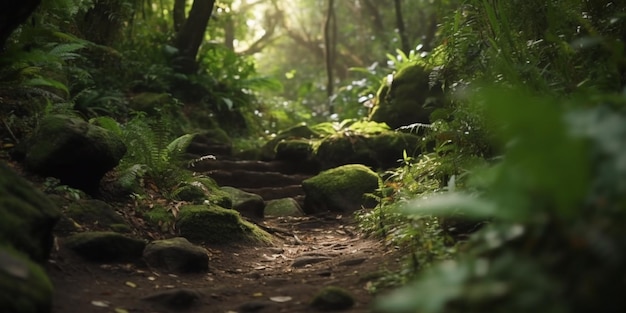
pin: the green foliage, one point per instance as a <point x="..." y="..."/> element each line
<point x="555" y="201"/>
<point x="153" y="152"/>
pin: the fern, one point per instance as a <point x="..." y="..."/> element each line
<point x="149" y="144"/>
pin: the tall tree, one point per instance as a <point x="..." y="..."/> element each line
<point x="178" y="14"/>
<point x="191" y="35"/>
<point x="330" y="40"/>
<point x="12" y="14"/>
<point x="404" y="39"/>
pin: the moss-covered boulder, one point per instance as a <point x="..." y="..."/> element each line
<point x="27" y="216"/>
<point x="176" y="255"/>
<point x="105" y="246"/>
<point x="210" y="142"/>
<point x="248" y="204"/>
<point x="150" y="102"/>
<point x="213" y="224"/>
<point x="332" y="298"/>
<point x="283" y="207"/>
<point x="340" y="189"/>
<point x="409" y="99"/>
<point x="268" y="152"/>
<point x="74" y="151"/>
<point x="24" y="285"/>
<point x="380" y="151"/>
<point x="96" y="212"/>
<point x="203" y="189"/>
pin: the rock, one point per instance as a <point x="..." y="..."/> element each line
<point x="248" y="204"/>
<point x="305" y="260"/>
<point x="332" y="298"/>
<point x="74" y="151"/>
<point x="380" y="151"/>
<point x="92" y="212"/>
<point x="106" y="246"/>
<point x="213" y="224"/>
<point x="255" y="306"/>
<point x="341" y="189"/>
<point x="210" y="142"/>
<point x="27" y="216"/>
<point x="191" y="192"/>
<point x="24" y="285"/>
<point x="352" y="262"/>
<point x="283" y="207"/>
<point x="177" y="299"/>
<point x="176" y="255"/>
<point x="409" y="99"/>
<point x="268" y="152"/>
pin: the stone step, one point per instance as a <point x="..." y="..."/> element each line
<point x="273" y="193"/>
<point x="210" y="164"/>
<point x="253" y="179"/>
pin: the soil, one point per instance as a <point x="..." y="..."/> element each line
<point x="308" y="254"/>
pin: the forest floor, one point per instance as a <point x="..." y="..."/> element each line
<point x="308" y="254"/>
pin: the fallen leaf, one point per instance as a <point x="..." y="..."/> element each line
<point x="119" y="310"/>
<point x="257" y="294"/>
<point x="281" y="299"/>
<point x="130" y="284"/>
<point x="100" y="304"/>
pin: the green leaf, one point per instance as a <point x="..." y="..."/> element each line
<point x="447" y="204"/>
<point x="47" y="82"/>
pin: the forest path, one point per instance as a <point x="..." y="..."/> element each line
<point x="308" y="254"/>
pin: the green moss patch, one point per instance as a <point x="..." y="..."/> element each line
<point x="24" y="285"/>
<point x="213" y="224"/>
<point x="341" y="189"/>
<point x="105" y="246"/>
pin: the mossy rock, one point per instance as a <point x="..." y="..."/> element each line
<point x="247" y="204"/>
<point x="74" y="151"/>
<point x="213" y="224"/>
<point x="95" y="212"/>
<point x="301" y="131"/>
<point x="194" y="193"/>
<point x="176" y="255"/>
<point x="24" y="285"/>
<point x="379" y="151"/>
<point x="215" y="195"/>
<point x="150" y="102"/>
<point x="332" y="298"/>
<point x="283" y="207"/>
<point x="409" y="99"/>
<point x="105" y="246"/>
<point x="295" y="150"/>
<point x="27" y="216"/>
<point x="201" y="189"/>
<point x="340" y="189"/>
<point x="340" y="150"/>
<point x="210" y="142"/>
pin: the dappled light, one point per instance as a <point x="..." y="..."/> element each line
<point x="312" y="156"/>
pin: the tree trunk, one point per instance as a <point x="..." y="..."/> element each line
<point x="178" y="14"/>
<point x="330" y="38"/>
<point x="404" y="40"/>
<point x="12" y="14"/>
<point x="191" y="35"/>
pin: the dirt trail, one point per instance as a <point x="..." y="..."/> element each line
<point x="309" y="254"/>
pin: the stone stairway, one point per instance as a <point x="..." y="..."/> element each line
<point x="269" y="179"/>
